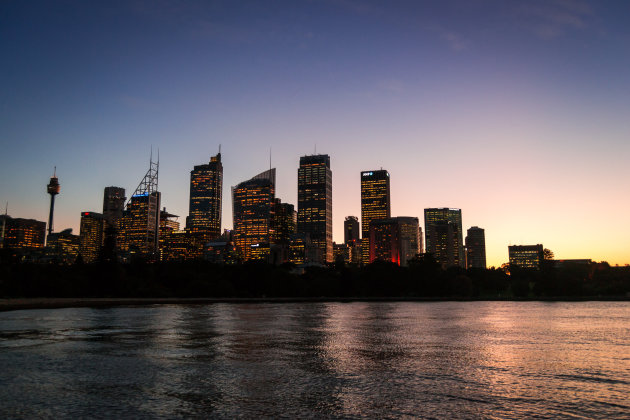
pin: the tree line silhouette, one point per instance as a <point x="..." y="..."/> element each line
<point x="423" y="278"/>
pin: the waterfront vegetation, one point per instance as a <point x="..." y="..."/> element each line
<point x="422" y="279"/>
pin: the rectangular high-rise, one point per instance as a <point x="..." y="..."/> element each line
<point x="375" y="204"/>
<point x="91" y="236"/>
<point x="252" y="208"/>
<point x="351" y="230"/>
<point x="443" y="230"/>
<point x="396" y="239"/>
<point x="138" y="229"/>
<point x="204" y="211"/>
<point x="475" y="248"/>
<point x="315" y="203"/>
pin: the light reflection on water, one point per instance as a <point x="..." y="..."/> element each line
<point x="441" y="360"/>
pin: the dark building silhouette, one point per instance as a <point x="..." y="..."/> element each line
<point x="396" y="239"/>
<point x="526" y="256"/>
<point x="91" y="236"/>
<point x="253" y="204"/>
<point x="351" y="233"/>
<point x="315" y="203"/>
<point x="443" y="230"/>
<point x="475" y="248"/>
<point x="53" y="189"/>
<point x="375" y="204"/>
<point x="204" y="211"/>
<point x="113" y="207"/>
<point x="113" y="204"/>
<point x="284" y="222"/>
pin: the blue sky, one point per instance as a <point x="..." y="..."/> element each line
<point x="515" y="112"/>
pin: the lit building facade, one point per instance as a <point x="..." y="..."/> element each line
<point x="526" y="256"/>
<point x="138" y="229"/>
<point x="253" y="204"/>
<point x="206" y="189"/>
<point x="175" y="245"/>
<point x="91" y="236"/>
<point x="22" y="233"/>
<point x="443" y="231"/>
<point x="315" y="203"/>
<point x="396" y="239"/>
<point x="475" y="248"/>
<point x="63" y="247"/>
<point x="375" y="204"/>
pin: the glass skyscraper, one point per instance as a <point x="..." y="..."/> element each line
<point x="443" y="230"/>
<point x="253" y="204"/>
<point x="375" y="205"/>
<point x="315" y="203"/>
<point x="204" y="212"/>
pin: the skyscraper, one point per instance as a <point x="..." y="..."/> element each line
<point x="139" y="227"/>
<point x="315" y="203"/>
<point x="91" y="235"/>
<point x="396" y="239"/>
<point x="443" y="230"/>
<point x="351" y="230"/>
<point x="375" y="204"/>
<point x="113" y="204"/>
<point x="113" y="207"/>
<point x="204" y="211"/>
<point x="475" y="248"/>
<point x="252" y="204"/>
<point x="284" y="222"/>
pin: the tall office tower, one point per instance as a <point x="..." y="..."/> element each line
<point x="526" y="256"/>
<point x="284" y="222"/>
<point x="351" y="230"/>
<point x="113" y="204"/>
<point x="315" y="203"/>
<point x="139" y="226"/>
<point x="204" y="211"/>
<point x="443" y="230"/>
<point x="91" y="236"/>
<point x="23" y="233"/>
<point x="475" y="248"/>
<point x="252" y="209"/>
<point x="375" y="204"/>
<point x="113" y="207"/>
<point x="53" y="189"/>
<point x="396" y="239"/>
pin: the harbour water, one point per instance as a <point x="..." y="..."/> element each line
<point x="350" y="360"/>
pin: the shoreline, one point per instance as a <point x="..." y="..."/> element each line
<point x="14" y="304"/>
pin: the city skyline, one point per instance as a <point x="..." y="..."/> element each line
<point x="521" y="124"/>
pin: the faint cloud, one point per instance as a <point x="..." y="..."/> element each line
<point x="455" y="41"/>
<point x="553" y="18"/>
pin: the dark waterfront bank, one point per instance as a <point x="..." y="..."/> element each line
<point x="142" y="283"/>
<point x="14" y="304"/>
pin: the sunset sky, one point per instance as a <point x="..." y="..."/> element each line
<point x="516" y="112"/>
